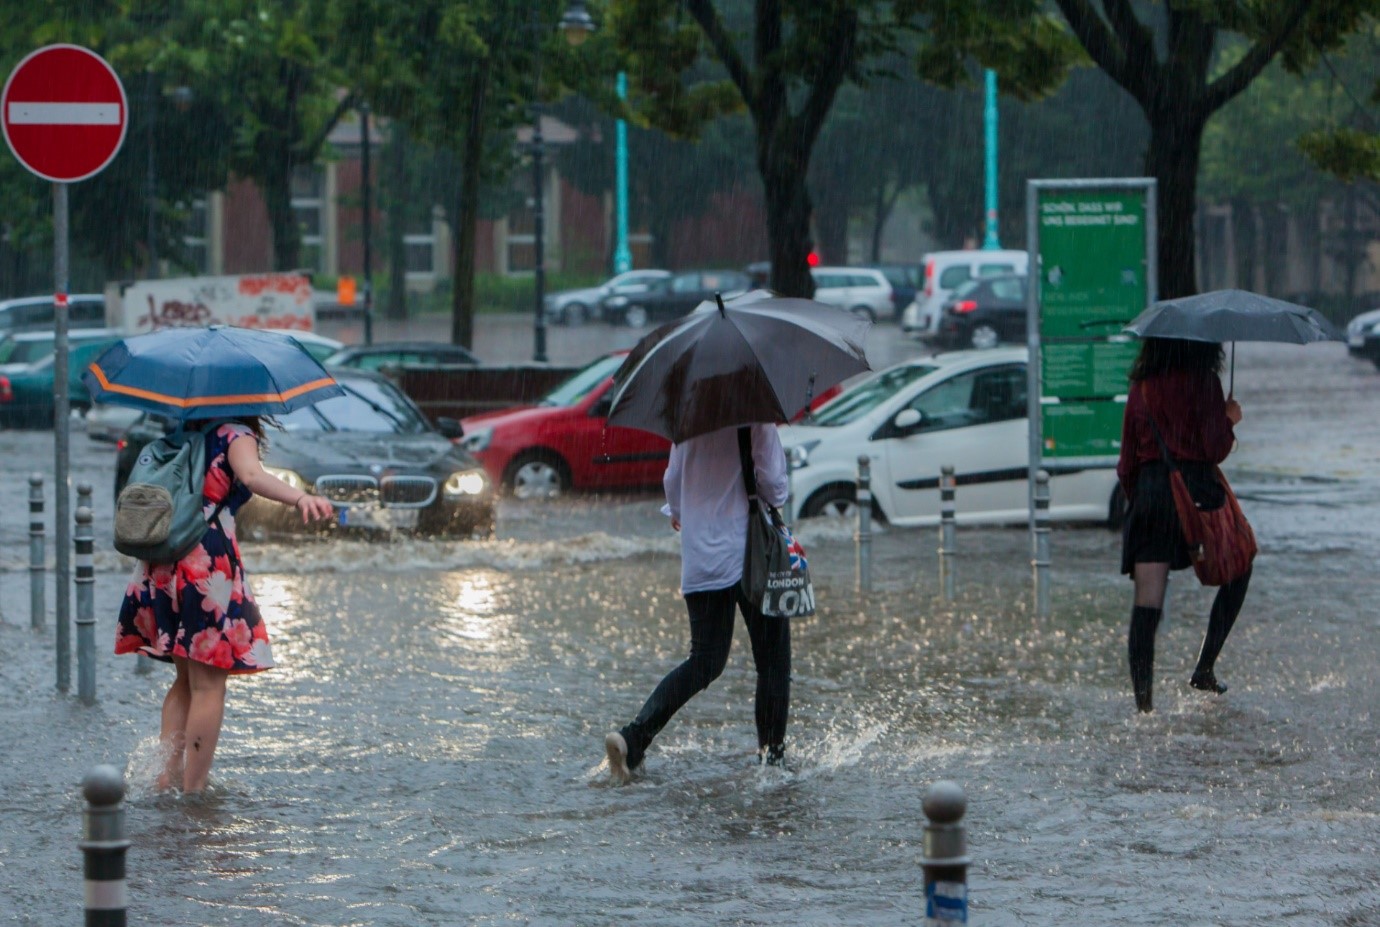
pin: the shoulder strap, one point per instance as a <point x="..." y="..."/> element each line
<point x="1164" y="448"/>
<point x="745" y="461"/>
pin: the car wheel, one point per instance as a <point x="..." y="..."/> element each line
<point x="837" y="501"/>
<point x="864" y="312"/>
<point x="983" y="336"/>
<point x="635" y="316"/>
<point x="537" y="475"/>
<point x="1117" y="509"/>
<point x="575" y="314"/>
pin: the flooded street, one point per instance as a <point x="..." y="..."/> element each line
<point x="430" y="748"/>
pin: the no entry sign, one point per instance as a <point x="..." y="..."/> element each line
<point x="64" y="113"/>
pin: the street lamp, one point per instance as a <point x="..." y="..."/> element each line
<point x="576" y="25"/>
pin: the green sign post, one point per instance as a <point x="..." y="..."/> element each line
<point x="1092" y="266"/>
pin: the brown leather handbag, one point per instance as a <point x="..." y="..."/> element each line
<point x="1221" y="544"/>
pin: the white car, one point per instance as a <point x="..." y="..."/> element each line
<point x="1361" y="335"/>
<point x="943" y="272"/>
<point x="575" y="307"/>
<point x="861" y="290"/>
<point x="966" y="409"/>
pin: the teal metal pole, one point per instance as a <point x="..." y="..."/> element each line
<point x="990" y="242"/>
<point x="622" y="254"/>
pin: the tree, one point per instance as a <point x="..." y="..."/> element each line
<point x="1167" y="68"/>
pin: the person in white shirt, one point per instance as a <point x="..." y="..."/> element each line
<point x="708" y="505"/>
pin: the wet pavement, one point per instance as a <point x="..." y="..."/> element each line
<point x="430" y="749"/>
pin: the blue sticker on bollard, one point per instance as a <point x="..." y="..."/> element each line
<point x="946" y="903"/>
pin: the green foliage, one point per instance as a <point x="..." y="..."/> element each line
<point x="495" y="293"/>
<point x="1350" y="154"/>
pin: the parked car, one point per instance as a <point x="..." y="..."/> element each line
<point x="966" y="409"/>
<point x="673" y="297"/>
<point x="984" y="312"/>
<point x="565" y="443"/>
<point x="383" y="354"/>
<point x="944" y="271"/>
<point x="1363" y="336"/>
<point x="35" y="313"/>
<point x="863" y="291"/>
<point x="106" y="422"/>
<point x="28" y="368"/>
<point x="905" y="283"/>
<point x="575" y="307"/>
<point x="372" y="453"/>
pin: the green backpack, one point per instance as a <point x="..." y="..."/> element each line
<point x="159" y="515"/>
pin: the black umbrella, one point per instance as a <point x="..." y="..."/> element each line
<point x="1233" y="315"/>
<point x="756" y="358"/>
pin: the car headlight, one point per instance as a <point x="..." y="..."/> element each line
<point x="291" y="477"/>
<point x="798" y="456"/>
<point x="477" y="440"/>
<point x="465" y="483"/>
<point x="616" y="302"/>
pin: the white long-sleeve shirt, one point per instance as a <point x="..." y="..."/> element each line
<point x="704" y="492"/>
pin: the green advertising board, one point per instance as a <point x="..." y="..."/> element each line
<point x="1093" y="244"/>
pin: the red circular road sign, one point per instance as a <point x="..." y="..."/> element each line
<point x="64" y="113"/>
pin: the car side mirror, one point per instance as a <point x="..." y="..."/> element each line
<point x="908" y="419"/>
<point x="450" y="427"/>
<point x="602" y="406"/>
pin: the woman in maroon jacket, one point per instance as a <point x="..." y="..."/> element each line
<point x="1176" y="388"/>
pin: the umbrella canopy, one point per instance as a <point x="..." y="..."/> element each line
<point x="755" y="358"/>
<point x="1233" y="315"/>
<point x="188" y="373"/>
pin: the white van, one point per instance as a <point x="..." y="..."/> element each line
<point x="944" y="271"/>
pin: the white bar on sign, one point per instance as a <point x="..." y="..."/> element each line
<point x="64" y="114"/>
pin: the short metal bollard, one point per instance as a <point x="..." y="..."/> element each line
<point x="84" y="541"/>
<point x="863" y="540"/>
<point x="104" y="842"/>
<point x="947" y="551"/>
<point x="1040" y="560"/>
<point x="38" y="608"/>
<point x="946" y="855"/>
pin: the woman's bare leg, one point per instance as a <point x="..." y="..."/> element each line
<point x="172" y="730"/>
<point x="204" y="716"/>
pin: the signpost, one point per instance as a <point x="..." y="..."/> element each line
<point x="1093" y="270"/>
<point x="64" y="114"/>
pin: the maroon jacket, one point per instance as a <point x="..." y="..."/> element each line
<point x="1191" y="413"/>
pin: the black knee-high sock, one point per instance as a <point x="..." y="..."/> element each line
<point x="1225" y="607"/>
<point x="1140" y="648"/>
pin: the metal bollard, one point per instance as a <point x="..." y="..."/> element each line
<point x="864" y="536"/>
<point x="104" y="842"/>
<point x="84" y="541"/>
<point x="1040" y="558"/>
<point x="38" y="609"/>
<point x="947" y="551"/>
<point x="946" y="855"/>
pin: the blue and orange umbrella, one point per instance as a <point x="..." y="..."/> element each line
<point x="191" y="373"/>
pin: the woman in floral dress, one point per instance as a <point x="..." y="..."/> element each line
<point x="199" y="613"/>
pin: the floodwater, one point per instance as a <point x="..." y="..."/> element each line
<point x="430" y="749"/>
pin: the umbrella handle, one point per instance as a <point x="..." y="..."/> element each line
<point x="1231" y="380"/>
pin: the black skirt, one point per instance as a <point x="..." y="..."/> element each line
<point x="1151" y="532"/>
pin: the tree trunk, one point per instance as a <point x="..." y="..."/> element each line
<point x="287" y="235"/>
<point x="831" y="222"/>
<point x="1176" y="141"/>
<point x="466" y="225"/>
<point x="788" y="215"/>
<point x="397" y="223"/>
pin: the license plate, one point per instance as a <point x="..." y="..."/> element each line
<point x="377" y="518"/>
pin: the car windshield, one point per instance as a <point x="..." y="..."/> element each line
<point x="366" y="407"/>
<point x="577" y="387"/>
<point x="14" y="351"/>
<point x="854" y="403"/>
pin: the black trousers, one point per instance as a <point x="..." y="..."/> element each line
<point x="711" y="636"/>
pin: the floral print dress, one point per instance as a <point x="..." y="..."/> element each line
<point x="201" y="607"/>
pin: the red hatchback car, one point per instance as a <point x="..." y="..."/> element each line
<point x="564" y="442"/>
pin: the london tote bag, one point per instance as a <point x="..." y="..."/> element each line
<point x="776" y="575"/>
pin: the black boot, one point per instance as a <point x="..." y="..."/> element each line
<point x="1140" y="648"/>
<point x="1225" y="607"/>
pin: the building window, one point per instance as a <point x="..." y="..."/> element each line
<point x="196" y="250"/>
<point x="309" y="209"/>
<point x="419" y="246"/>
